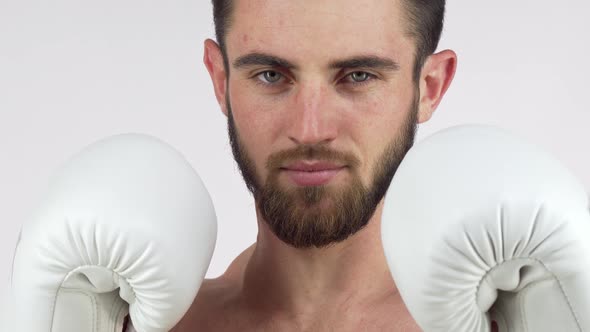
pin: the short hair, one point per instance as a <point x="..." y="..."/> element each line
<point x="425" y="20"/>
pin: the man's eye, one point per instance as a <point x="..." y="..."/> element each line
<point x="359" y="76"/>
<point x="269" y="77"/>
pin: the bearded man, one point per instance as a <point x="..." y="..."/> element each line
<point x="323" y="99"/>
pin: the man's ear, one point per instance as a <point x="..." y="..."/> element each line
<point x="437" y="73"/>
<point x="213" y="59"/>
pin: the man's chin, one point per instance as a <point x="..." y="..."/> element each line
<point x="314" y="216"/>
<point x="323" y="205"/>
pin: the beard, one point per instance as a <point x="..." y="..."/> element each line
<point x="318" y="216"/>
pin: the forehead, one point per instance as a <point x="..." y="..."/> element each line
<point x="317" y="29"/>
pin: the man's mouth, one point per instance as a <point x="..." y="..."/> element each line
<point x="312" y="173"/>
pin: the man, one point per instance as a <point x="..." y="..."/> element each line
<point x="323" y="98"/>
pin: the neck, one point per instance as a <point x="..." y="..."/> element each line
<point x="300" y="281"/>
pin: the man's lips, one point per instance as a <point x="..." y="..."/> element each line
<point x="312" y="173"/>
<point x="312" y="166"/>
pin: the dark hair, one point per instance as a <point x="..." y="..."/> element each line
<point x="425" y="24"/>
<point x="222" y="18"/>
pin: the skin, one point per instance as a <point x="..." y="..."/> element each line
<point x="346" y="286"/>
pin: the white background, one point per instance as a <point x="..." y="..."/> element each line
<point x="72" y="72"/>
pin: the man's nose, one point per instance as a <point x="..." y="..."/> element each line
<point x="313" y="117"/>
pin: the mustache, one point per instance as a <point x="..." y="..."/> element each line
<point x="319" y="152"/>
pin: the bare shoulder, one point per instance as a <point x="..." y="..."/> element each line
<point x="216" y="299"/>
<point x="207" y="306"/>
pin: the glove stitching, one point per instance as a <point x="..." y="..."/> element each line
<point x="92" y="301"/>
<point x="73" y="291"/>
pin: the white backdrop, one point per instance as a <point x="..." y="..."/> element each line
<point x="72" y="72"/>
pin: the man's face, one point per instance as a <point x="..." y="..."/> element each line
<point x="321" y="110"/>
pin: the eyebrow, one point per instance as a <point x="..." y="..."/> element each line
<point x="369" y="61"/>
<point x="260" y="59"/>
<point x="366" y="61"/>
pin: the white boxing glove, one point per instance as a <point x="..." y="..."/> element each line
<point x="126" y="226"/>
<point x="480" y="225"/>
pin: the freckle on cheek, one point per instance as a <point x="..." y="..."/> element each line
<point x="245" y="39"/>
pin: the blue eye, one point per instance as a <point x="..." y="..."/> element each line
<point x="269" y="77"/>
<point x="359" y="76"/>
